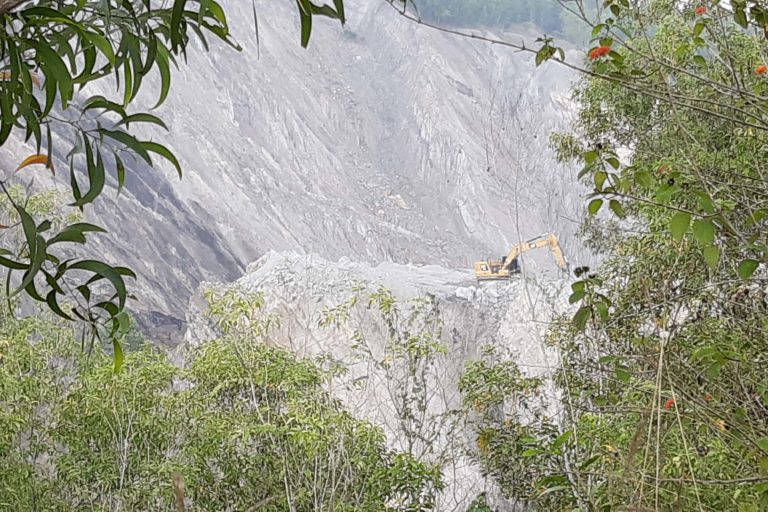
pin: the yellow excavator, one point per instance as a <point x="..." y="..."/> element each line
<point x="504" y="269"/>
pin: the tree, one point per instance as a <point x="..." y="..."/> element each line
<point x="241" y="425"/>
<point x="49" y="53"/>
<point x="662" y="392"/>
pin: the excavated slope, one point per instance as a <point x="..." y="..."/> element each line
<point x="383" y="141"/>
<point x="510" y="316"/>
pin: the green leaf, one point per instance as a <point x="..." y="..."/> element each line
<point x="747" y="268"/>
<point x="644" y="179"/>
<point x="576" y="297"/>
<point x="53" y="304"/>
<point x="305" y="15"/>
<point x="175" y="28"/>
<point x="740" y="17"/>
<point x="339" y="4"/>
<point x="602" y="310"/>
<point x="704" y="231"/>
<point x="617" y="208"/>
<point x="763" y="444"/>
<point x="164" y="152"/>
<point x="594" y="206"/>
<point x="102" y="270"/>
<point x="163" y="65"/>
<point x="679" y="225"/>
<point x="600" y="177"/>
<point x="55" y="69"/>
<point x="142" y="118"/>
<point x="120" y="168"/>
<point x="325" y="10"/>
<point x="129" y="140"/>
<point x="96" y="176"/>
<point x="119" y="358"/>
<point x="713" y="371"/>
<point x="581" y="317"/>
<point x="705" y="202"/>
<point x="75" y="233"/>
<point x="561" y="439"/>
<point x="712" y="256"/>
<point x="622" y="374"/>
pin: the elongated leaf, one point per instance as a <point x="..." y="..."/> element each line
<point x="339" y="4"/>
<point x="53" y="304"/>
<point x="325" y="10"/>
<point x="305" y="15"/>
<point x="96" y="176"/>
<point x="165" y="153"/>
<point x="56" y="69"/>
<point x="163" y="66"/>
<point x="128" y="140"/>
<point x="105" y="271"/>
<point x="120" y="169"/>
<point x="119" y="358"/>
<point x="142" y="118"/>
<point x="75" y="233"/>
<point x="36" y="159"/>
<point x="13" y="265"/>
<point x="176" y="15"/>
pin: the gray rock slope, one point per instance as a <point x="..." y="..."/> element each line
<point x="511" y="316"/>
<point x="383" y="141"/>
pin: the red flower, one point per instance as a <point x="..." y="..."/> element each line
<point x="761" y="69"/>
<point x="668" y="404"/>
<point x="700" y="10"/>
<point x="708" y="397"/>
<point x="598" y="52"/>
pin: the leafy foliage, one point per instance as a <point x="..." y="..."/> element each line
<point x="49" y="53"/>
<point x="664" y="393"/>
<point x="241" y="424"/>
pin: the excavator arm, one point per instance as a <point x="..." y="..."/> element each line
<point x="504" y="268"/>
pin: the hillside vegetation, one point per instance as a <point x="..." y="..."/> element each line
<point x="656" y="397"/>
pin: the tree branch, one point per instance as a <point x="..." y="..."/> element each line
<point x="7" y="6"/>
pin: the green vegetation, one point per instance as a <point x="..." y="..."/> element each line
<point x="661" y="394"/>
<point x="241" y="423"/>
<point x="662" y="383"/>
<point x="49" y="51"/>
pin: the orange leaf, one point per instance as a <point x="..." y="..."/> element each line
<point x="36" y="159"/>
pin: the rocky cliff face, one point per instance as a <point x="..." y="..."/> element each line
<point x="449" y="305"/>
<point x="384" y="141"/>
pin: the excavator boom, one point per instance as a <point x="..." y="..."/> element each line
<point x="491" y="269"/>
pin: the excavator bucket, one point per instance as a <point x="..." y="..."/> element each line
<point x="509" y="264"/>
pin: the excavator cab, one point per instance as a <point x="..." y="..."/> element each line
<point x="509" y="264"/>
